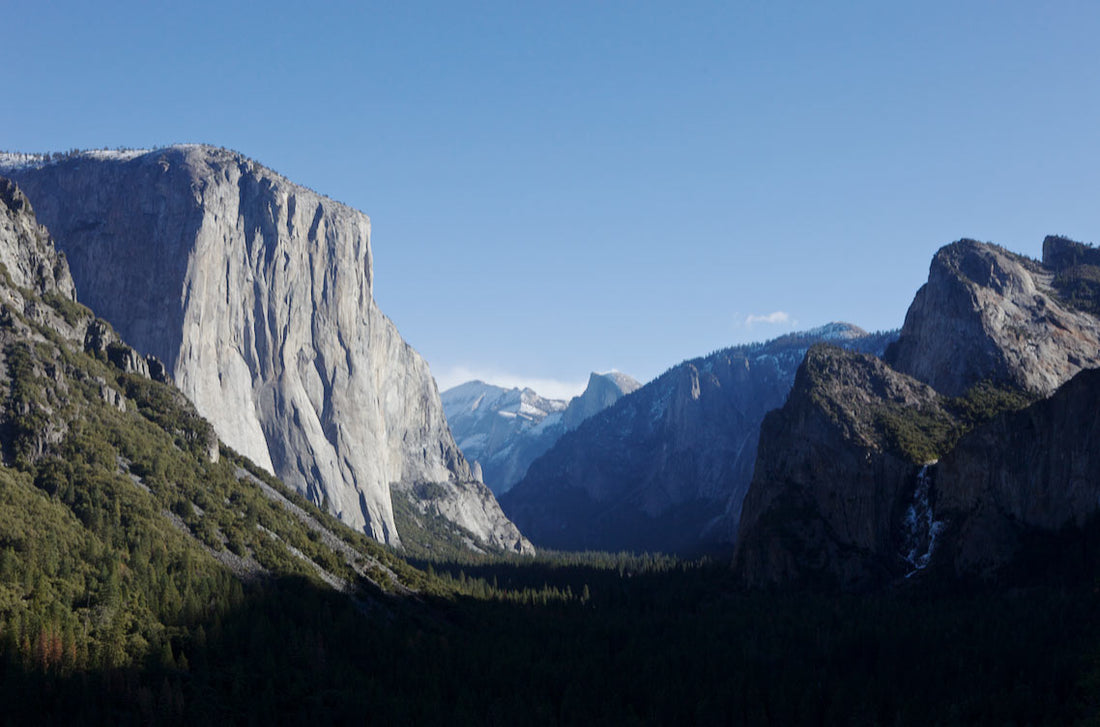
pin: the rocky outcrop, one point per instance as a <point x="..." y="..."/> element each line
<point x="847" y="491"/>
<point x="833" y="478"/>
<point x="1035" y="470"/>
<point x="835" y="502"/>
<point x="33" y="275"/>
<point x="468" y="514"/>
<point x="505" y="430"/>
<point x="1076" y="269"/>
<point x="256" y="294"/>
<point x="38" y="306"/>
<point x="100" y="339"/>
<point x="667" y="467"/>
<point x="988" y="314"/>
<point x="1061" y="254"/>
<point x="27" y="253"/>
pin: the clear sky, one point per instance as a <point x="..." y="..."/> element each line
<point x="561" y="187"/>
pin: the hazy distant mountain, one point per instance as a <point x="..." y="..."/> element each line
<point x="504" y="430"/>
<point x="666" y="468"/>
<point x="602" y="391"/>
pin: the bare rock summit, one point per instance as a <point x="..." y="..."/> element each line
<point x="989" y="314"/>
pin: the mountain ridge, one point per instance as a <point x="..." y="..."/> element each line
<point x="666" y="467"/>
<point x="531" y="423"/>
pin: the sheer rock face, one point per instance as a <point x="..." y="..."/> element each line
<point x="256" y="294"/>
<point x="1037" y="469"/>
<point x="986" y="313"/>
<point x="828" y="489"/>
<point x="667" y="467"/>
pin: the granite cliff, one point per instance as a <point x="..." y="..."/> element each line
<point x="1034" y="471"/>
<point x="256" y="294"/>
<point x="107" y="467"/>
<point x="667" y="467"/>
<point x="989" y="314"/>
<point x="835" y="470"/>
<point x="964" y="441"/>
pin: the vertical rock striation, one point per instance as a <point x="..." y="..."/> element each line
<point x="256" y="294"/>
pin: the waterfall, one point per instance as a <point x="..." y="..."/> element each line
<point x="919" y="526"/>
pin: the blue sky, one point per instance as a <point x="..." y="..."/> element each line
<point x="563" y="187"/>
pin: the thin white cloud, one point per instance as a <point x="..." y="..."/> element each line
<point x="774" y="318"/>
<point x="550" y="388"/>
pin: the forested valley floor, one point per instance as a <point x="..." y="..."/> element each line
<point x="585" y="639"/>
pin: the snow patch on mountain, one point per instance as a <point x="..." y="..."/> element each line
<point x="22" y="160"/>
<point x="506" y="429"/>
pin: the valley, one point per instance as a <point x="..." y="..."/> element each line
<point x="239" y="497"/>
